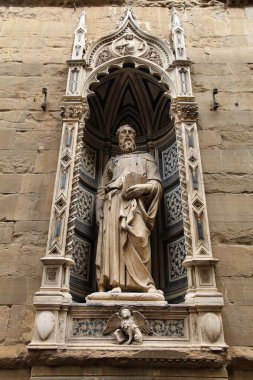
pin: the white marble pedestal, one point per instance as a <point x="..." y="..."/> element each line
<point x="141" y="299"/>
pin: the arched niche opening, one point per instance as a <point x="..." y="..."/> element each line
<point x="130" y="95"/>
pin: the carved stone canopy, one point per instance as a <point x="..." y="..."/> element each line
<point x="129" y="40"/>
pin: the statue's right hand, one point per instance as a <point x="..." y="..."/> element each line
<point x="99" y="210"/>
<point x="99" y="216"/>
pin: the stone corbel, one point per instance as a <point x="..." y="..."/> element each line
<point x="73" y="108"/>
<point x="184" y="111"/>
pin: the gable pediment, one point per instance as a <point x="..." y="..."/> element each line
<point x="130" y="40"/>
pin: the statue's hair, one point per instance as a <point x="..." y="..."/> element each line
<point x="128" y="308"/>
<point x="123" y="126"/>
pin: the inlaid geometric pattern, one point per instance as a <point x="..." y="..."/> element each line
<point x="176" y="255"/>
<point x="81" y="257"/>
<point x="85" y="206"/>
<point x="170" y="160"/>
<point x="88" y="161"/>
<point x="95" y="327"/>
<point x="169" y="327"/>
<point x="88" y="327"/>
<point x="173" y="204"/>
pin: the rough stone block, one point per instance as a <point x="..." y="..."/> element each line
<point x="4" y="318"/>
<point x="242" y="375"/>
<point x="37" y="183"/>
<point x="25" y="206"/>
<point x="17" y="161"/>
<point x="227" y="161"/>
<point x="20" y="374"/>
<point x="239" y="100"/>
<point x="7" y="138"/>
<point x="6" y="232"/>
<point x="33" y="207"/>
<point x="31" y="232"/>
<point x="230" y="207"/>
<point x="228" y="183"/>
<point x="209" y="139"/>
<point x="234" y="260"/>
<point x="10" y="183"/>
<point x="216" y="121"/>
<point x="7" y="207"/>
<point x="20" y="324"/>
<point x="236" y="137"/>
<point x="237" y="290"/>
<point x="29" y="261"/>
<point x="21" y="260"/>
<point x="33" y="286"/>
<point x="32" y="139"/>
<point x="46" y="162"/>
<point x="9" y="254"/>
<point x="237" y="322"/>
<point x="227" y="83"/>
<point x="232" y="232"/>
<point x="13" y="291"/>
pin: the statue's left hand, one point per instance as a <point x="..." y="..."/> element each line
<point x="138" y="190"/>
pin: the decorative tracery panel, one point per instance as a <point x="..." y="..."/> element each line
<point x="82" y="280"/>
<point x="173" y="241"/>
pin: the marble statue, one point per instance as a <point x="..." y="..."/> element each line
<point x="126" y="207"/>
<point x="127" y="326"/>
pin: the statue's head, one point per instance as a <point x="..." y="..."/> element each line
<point x="129" y="36"/>
<point x="125" y="312"/>
<point x="126" y="136"/>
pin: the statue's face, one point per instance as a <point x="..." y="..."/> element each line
<point x="129" y="37"/>
<point x="125" y="313"/>
<point x="127" y="139"/>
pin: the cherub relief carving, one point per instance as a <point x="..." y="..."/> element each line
<point x="127" y="326"/>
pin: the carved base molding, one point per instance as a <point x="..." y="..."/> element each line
<point x="82" y="327"/>
<point x="107" y="298"/>
<point x="136" y="364"/>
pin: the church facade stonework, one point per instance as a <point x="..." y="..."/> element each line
<point x="154" y="71"/>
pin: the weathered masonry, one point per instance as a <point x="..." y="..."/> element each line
<point x="154" y="67"/>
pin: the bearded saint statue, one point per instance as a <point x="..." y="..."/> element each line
<point x="127" y="203"/>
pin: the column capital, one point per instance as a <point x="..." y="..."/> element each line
<point x="73" y="108"/>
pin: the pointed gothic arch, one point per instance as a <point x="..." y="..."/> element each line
<point x="129" y="94"/>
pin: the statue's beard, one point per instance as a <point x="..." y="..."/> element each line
<point x="127" y="146"/>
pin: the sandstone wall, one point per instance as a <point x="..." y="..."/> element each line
<point x="35" y="43"/>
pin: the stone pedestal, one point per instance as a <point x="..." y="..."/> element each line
<point x="107" y="298"/>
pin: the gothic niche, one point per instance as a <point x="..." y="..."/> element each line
<point x="130" y="95"/>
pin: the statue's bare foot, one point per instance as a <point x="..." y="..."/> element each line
<point x="153" y="290"/>
<point x="115" y="290"/>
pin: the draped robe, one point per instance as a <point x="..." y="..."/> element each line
<point x="123" y="249"/>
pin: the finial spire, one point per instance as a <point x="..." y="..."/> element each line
<point x="82" y="22"/>
<point x="175" y="21"/>
<point x="128" y="14"/>
<point x="79" y="43"/>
